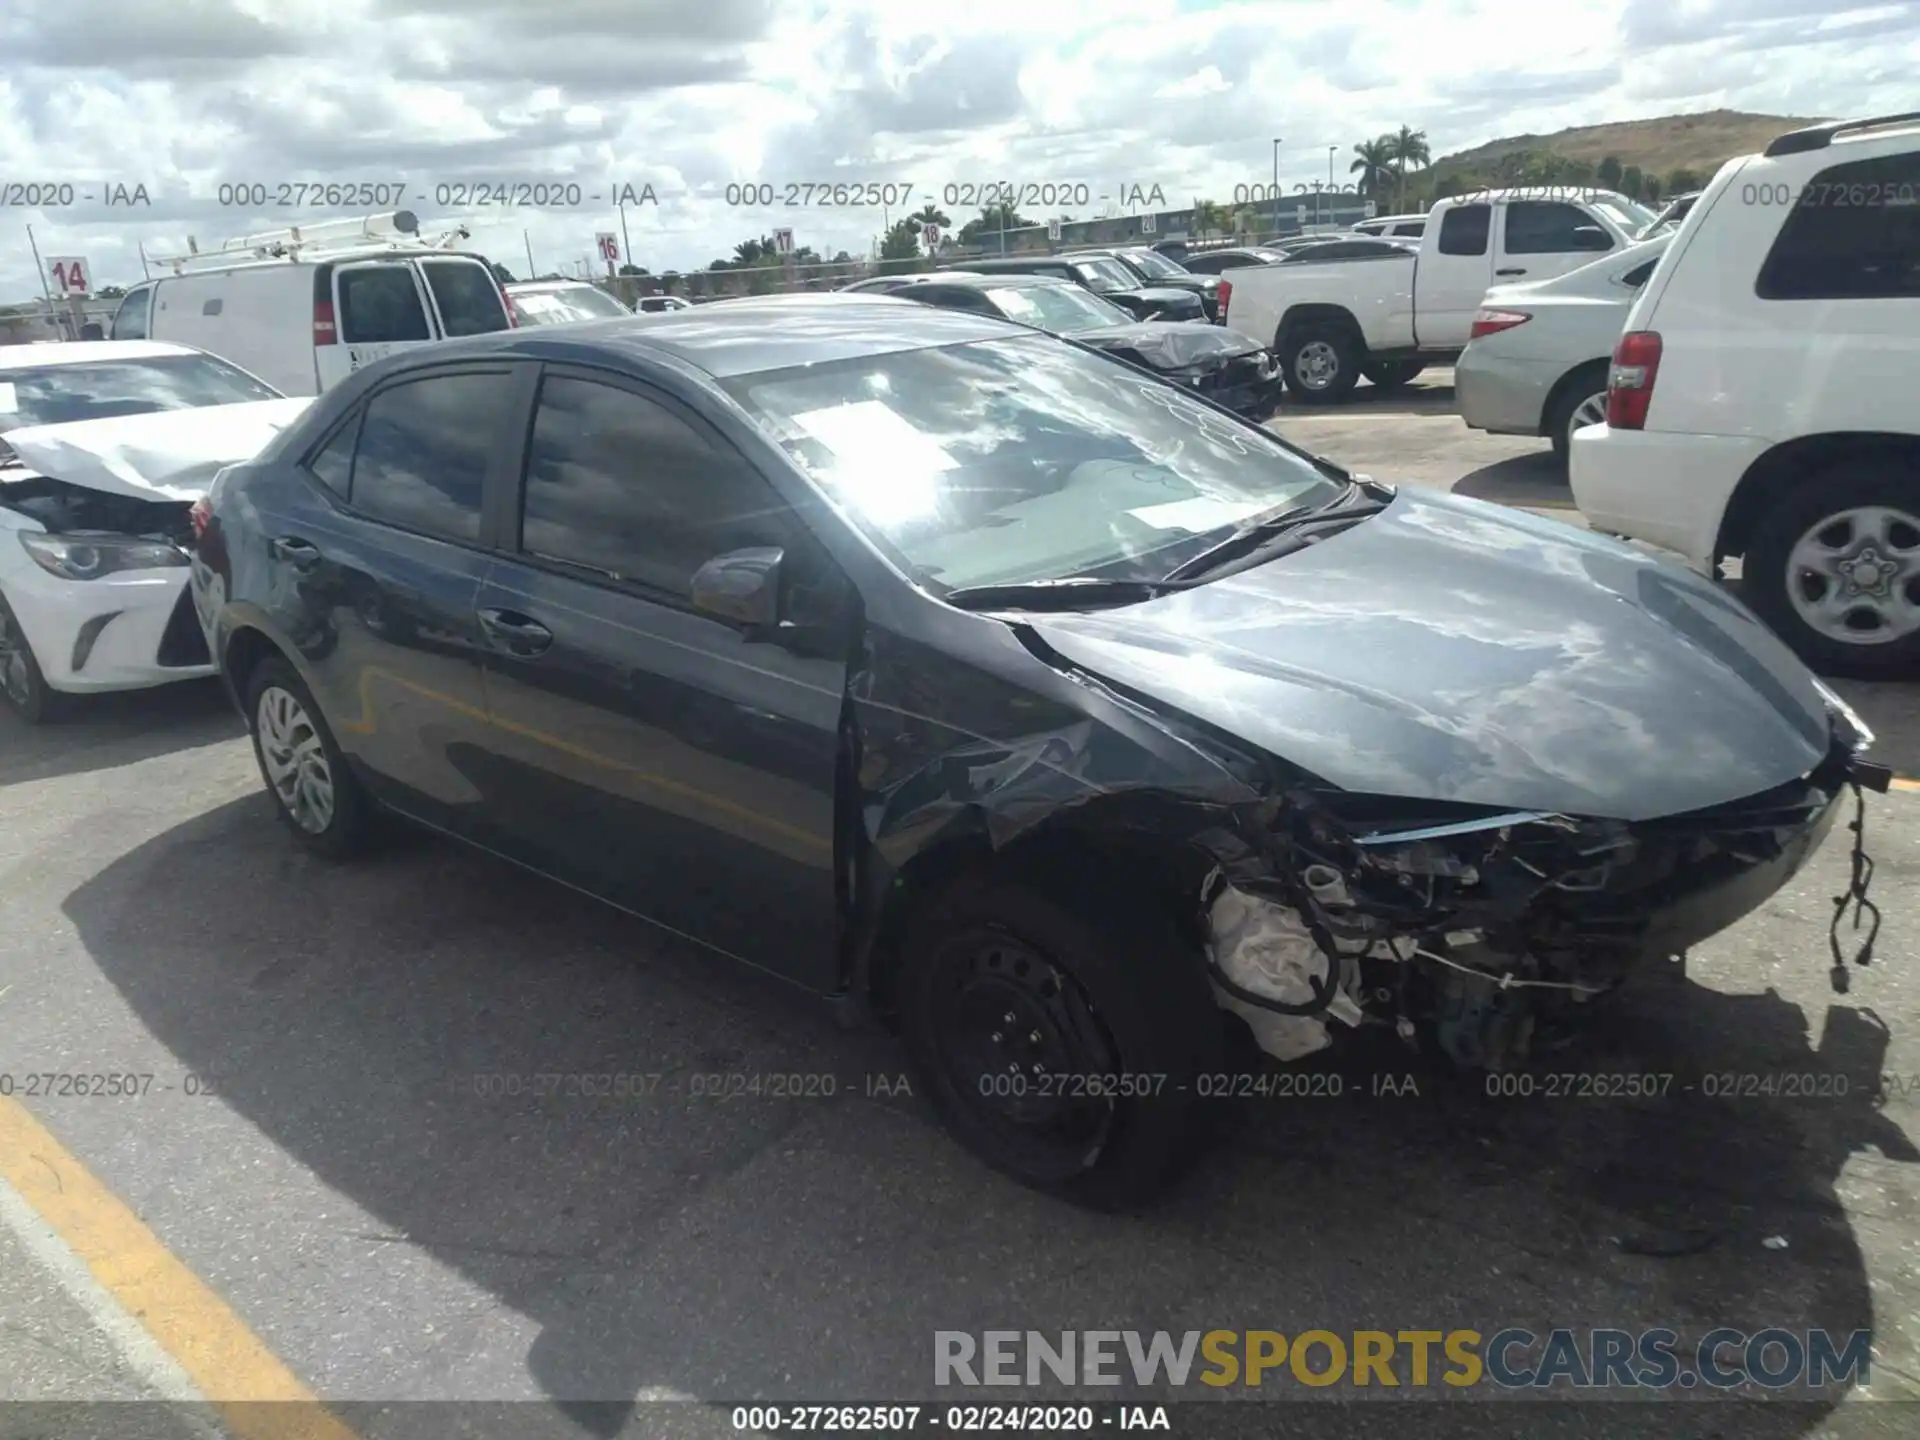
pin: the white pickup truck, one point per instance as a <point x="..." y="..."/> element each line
<point x="1388" y="317"/>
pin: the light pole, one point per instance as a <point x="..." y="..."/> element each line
<point x="1331" y="151"/>
<point x="1274" y="206"/>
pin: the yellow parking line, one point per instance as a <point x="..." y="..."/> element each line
<point x="1900" y="782"/>
<point x="257" y="1396"/>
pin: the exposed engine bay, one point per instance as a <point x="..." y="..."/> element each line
<point x="67" y="509"/>
<point x="1475" y="935"/>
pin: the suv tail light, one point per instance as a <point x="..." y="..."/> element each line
<point x="324" y="330"/>
<point x="513" y="316"/>
<point x="1226" y="298"/>
<point x="199" y="516"/>
<point x="1636" y="362"/>
<point x="1492" y="322"/>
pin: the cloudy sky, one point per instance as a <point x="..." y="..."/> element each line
<point x="688" y="96"/>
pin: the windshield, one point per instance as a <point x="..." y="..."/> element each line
<point x="1627" y="214"/>
<point x="1156" y="266"/>
<point x="103" y="389"/>
<point x="1104" y="274"/>
<point x="1007" y="461"/>
<point x="1063" y="309"/>
<point x="558" y="307"/>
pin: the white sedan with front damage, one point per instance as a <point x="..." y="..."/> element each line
<point x="94" y="510"/>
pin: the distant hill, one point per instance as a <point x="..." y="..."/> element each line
<point x="1700" y="142"/>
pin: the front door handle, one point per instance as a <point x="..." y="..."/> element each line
<point x="1512" y="270"/>
<point x="515" y="633"/>
<point x="301" y="554"/>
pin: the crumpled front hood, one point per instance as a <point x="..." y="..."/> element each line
<point x="1171" y="344"/>
<point x="166" y="455"/>
<point x="1450" y="649"/>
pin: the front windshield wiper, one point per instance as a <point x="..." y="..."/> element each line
<point x="1063" y="592"/>
<point x="1359" y="498"/>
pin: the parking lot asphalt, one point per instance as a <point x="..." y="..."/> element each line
<point x="325" y="1190"/>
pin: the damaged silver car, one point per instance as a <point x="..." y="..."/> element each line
<point x="983" y="682"/>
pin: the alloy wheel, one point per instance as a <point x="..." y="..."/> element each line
<point x="295" y="759"/>
<point x="1590" y="411"/>
<point x="1854" y="576"/>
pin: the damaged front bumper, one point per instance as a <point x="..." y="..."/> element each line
<point x="1472" y="928"/>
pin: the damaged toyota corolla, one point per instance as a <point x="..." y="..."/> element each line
<point x="987" y="683"/>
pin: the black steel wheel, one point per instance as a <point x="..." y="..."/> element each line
<point x="1060" y="1032"/>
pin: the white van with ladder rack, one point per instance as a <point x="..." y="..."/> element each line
<point x="305" y="307"/>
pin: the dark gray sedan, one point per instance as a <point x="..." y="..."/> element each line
<point x="977" y="680"/>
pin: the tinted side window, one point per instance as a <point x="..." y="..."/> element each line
<point x="1542" y="227"/>
<point x="468" y="300"/>
<point x="379" y="304"/>
<point x="424" y="450"/>
<point x="621" y="485"/>
<point x="1854" y="235"/>
<point x="1463" y="230"/>
<point x="130" y="320"/>
<point x="1413" y="228"/>
<point x="332" y="463"/>
<point x="1639" y="275"/>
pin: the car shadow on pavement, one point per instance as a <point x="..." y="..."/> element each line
<point x="1425" y="396"/>
<point x="1531" y="482"/>
<point x="807" y="1248"/>
<point x="103" y="732"/>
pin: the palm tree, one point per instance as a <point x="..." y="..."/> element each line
<point x="1409" y="148"/>
<point x="1374" y="163"/>
<point x="931" y="214"/>
<point x="748" y="252"/>
<point x="1208" y="217"/>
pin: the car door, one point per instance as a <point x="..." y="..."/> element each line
<point x="678" y="764"/>
<point x="376" y="579"/>
<point x="1540" y="239"/>
<point x="379" y="307"/>
<point x="1453" y="276"/>
<point x="465" y="296"/>
<point x="130" y="320"/>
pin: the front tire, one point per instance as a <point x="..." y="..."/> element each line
<point x="315" y="792"/>
<point x="23" y="688"/>
<point x="1835" y="570"/>
<point x="1060" y="1035"/>
<point x="1321" y="362"/>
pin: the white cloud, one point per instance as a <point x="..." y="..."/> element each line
<point x="689" y="97"/>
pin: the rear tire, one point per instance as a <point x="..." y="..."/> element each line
<point x="1582" y="401"/>
<point x="1321" y="362"/>
<point x="1851" y="521"/>
<point x="316" y="793"/>
<point x="23" y="689"/>
<point x="1393" y="374"/>
<point x="1006" y="985"/>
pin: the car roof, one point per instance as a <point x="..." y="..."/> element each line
<point x="515" y="285"/>
<point x="737" y="337"/>
<point x="81" y="352"/>
<point x="1007" y="281"/>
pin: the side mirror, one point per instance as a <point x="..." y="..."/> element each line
<point x="1591" y="237"/>
<point x="742" y="586"/>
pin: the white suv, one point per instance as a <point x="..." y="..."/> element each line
<point x="1764" y="400"/>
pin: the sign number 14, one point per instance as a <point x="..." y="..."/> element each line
<point x="70" y="275"/>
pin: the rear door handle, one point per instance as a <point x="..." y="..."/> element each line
<point x="1513" y="270"/>
<point x="515" y="633"/>
<point x="301" y="554"/>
